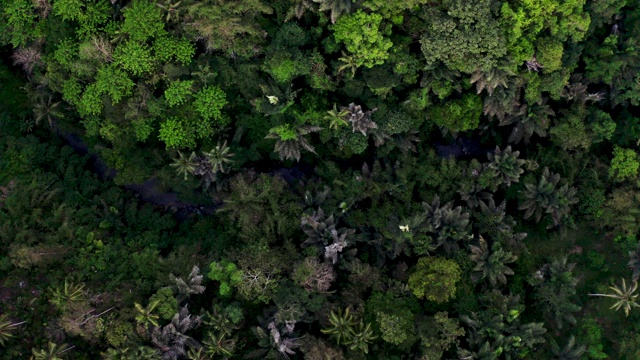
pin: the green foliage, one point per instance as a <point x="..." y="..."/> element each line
<point x="68" y="9"/>
<point x="142" y="20"/>
<point x="114" y="82"/>
<point x="363" y="37"/>
<point x="227" y="273"/>
<point x="624" y="164"/>
<point x="178" y="91"/>
<point x="168" y="48"/>
<point x="135" y="57"/>
<point x="458" y="115"/>
<point x="175" y="133"/>
<point x="18" y="23"/>
<point x="524" y="20"/>
<point x="284" y="67"/>
<point x="166" y="304"/>
<point x="435" y="279"/>
<point x="549" y="54"/>
<point x="438" y="333"/>
<point x="245" y="83"/>
<point x="464" y="35"/>
<point x="229" y="26"/>
<point x="209" y="102"/>
<point x="591" y="336"/>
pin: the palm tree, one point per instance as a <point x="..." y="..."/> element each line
<point x="473" y="190"/>
<point x="493" y="219"/>
<point x="569" y="351"/>
<point x="193" y="285"/>
<point x="218" y="156"/>
<point x="337" y="117"/>
<point x="67" y="296"/>
<point x="144" y="353"/>
<point x="506" y="165"/>
<point x="6" y="327"/>
<point x="360" y="120"/>
<point x="547" y="197"/>
<point x="217" y="344"/>
<point x="141" y="353"/>
<point x="172" y="339"/>
<point x="555" y="287"/>
<point x="172" y="8"/>
<point x="299" y="8"/>
<point x="503" y="104"/>
<point x="349" y="62"/>
<point x="185" y="165"/>
<point x="322" y="234"/>
<point x="342" y="325"/>
<point x="337" y="7"/>
<point x="490" y="80"/>
<point x="448" y="224"/>
<point x="46" y="109"/>
<point x="289" y="141"/>
<point x="491" y="264"/>
<point x="219" y="321"/>
<point x="625" y="297"/>
<point x="529" y="121"/>
<point x="145" y="316"/>
<point x="52" y="352"/>
<point x="360" y="337"/>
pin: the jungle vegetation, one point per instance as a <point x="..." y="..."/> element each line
<point x="319" y="179"/>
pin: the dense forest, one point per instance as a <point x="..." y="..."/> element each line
<point x="319" y="179"/>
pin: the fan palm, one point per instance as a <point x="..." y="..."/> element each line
<point x="624" y="296"/>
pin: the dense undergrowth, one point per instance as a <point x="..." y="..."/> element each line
<point x="411" y="179"/>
